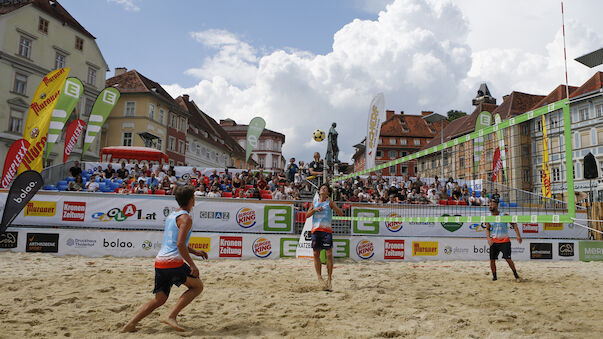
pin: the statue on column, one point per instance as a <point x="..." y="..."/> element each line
<point x="332" y="148"/>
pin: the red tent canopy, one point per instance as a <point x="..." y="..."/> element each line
<point x="133" y="155"/>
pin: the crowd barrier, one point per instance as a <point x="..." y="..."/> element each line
<point x="149" y="212"/>
<point x="98" y="243"/>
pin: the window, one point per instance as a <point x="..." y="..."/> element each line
<point x="445" y="161"/>
<point x="261" y="145"/>
<point x="15" y="123"/>
<point x="525" y="129"/>
<point x="584" y="139"/>
<point x="600" y="136"/>
<point x="392" y="141"/>
<point x="151" y="111"/>
<point x="181" y="147"/>
<point x="269" y="146"/>
<point x="599" y="110"/>
<point x="539" y="125"/>
<point x="173" y="120"/>
<point x="59" y="61"/>
<point x="275" y="163"/>
<point x="25" y="47"/>
<point x="556" y="174"/>
<point x="262" y="160"/>
<point x="182" y="124"/>
<point x="130" y="108"/>
<point x="91" y="76"/>
<point x="160" y="144"/>
<point x="525" y="150"/>
<point x="555" y="145"/>
<point x="380" y="141"/>
<point x="417" y="142"/>
<point x="88" y="106"/>
<point x="462" y="162"/>
<point x="127" y="139"/>
<point x="433" y="163"/>
<point x="172" y="144"/>
<point x="526" y="175"/>
<point x="404" y="169"/>
<point x="554" y="122"/>
<point x="20" y="83"/>
<point x="79" y="43"/>
<point x="583" y="113"/>
<point x="379" y="154"/>
<point x="392" y="154"/>
<point x="43" y="25"/>
<point x="161" y="115"/>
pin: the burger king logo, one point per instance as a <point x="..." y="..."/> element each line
<point x="246" y="217"/>
<point x="394" y="226"/>
<point x="365" y="249"/>
<point x="262" y="247"/>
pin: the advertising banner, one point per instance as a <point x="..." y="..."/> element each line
<point x="74" y="130"/>
<point x="13" y="159"/>
<point x="546" y="173"/>
<point x="103" y="105"/>
<point x="484" y="119"/>
<point x="21" y="192"/>
<point x="254" y="130"/>
<point x="376" y="117"/>
<point x="591" y="250"/>
<point x="98" y="210"/>
<point x="448" y="229"/>
<point x="500" y="135"/>
<point x="70" y="95"/>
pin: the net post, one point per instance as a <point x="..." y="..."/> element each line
<point x="569" y="161"/>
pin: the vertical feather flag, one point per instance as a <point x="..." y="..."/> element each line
<point x="103" y="105"/>
<point x="546" y="173"/>
<point x="376" y="117"/>
<point x="70" y="95"/>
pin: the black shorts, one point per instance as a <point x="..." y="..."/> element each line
<point x="497" y="247"/>
<point x="166" y="277"/>
<point x="322" y="240"/>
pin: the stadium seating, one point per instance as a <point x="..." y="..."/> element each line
<point x="226" y="194"/>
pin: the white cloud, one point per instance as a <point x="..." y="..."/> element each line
<point x="128" y="5"/>
<point x="416" y="52"/>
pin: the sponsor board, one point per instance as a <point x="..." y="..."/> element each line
<point x="74" y="211"/>
<point x="262" y="247"/>
<point x="246" y="217"/>
<point x="393" y="249"/>
<point x="549" y="226"/>
<point x="9" y="239"/>
<point x="40" y="209"/>
<point x="424" y="248"/>
<point x="230" y="247"/>
<point x="80" y="243"/>
<point x="365" y="249"/>
<point x="477" y="227"/>
<point x="288" y="247"/>
<point x="122" y="214"/>
<point x="214" y="215"/>
<point x="566" y="249"/>
<point x="42" y="242"/>
<point x="449" y="250"/>
<point x="200" y="243"/>
<point x="110" y="243"/>
<point x="451" y="226"/>
<point x="394" y="226"/>
<point x="529" y="228"/>
<point x="591" y="250"/>
<point x="541" y="250"/>
<point x="148" y="245"/>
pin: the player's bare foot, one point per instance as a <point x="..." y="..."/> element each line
<point x="518" y="280"/>
<point x="128" y="328"/>
<point x="329" y="287"/>
<point x="322" y="283"/>
<point x="173" y="324"/>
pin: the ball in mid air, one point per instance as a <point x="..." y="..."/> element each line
<point x="318" y="135"/>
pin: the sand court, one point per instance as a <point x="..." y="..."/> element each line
<point x="49" y="296"/>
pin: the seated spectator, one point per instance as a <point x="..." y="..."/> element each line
<point x="214" y="193"/>
<point x="122" y="173"/>
<point x="152" y="182"/>
<point x="474" y="201"/>
<point x="195" y="173"/>
<point x="109" y="172"/>
<point x="279" y="193"/>
<point x="495" y="197"/>
<point x="145" y="172"/>
<point x="236" y="181"/>
<point x="214" y="175"/>
<point x="262" y="183"/>
<point x="141" y="188"/>
<point x="392" y="199"/>
<point x="432" y="196"/>
<point x="241" y="195"/>
<point x="124" y="188"/>
<point x="98" y="171"/>
<point x="354" y="196"/>
<point x="443" y="193"/>
<point x="159" y="173"/>
<point x="465" y="193"/>
<point x="289" y="189"/>
<point x="200" y="191"/>
<point x="484" y="200"/>
<point x="450" y="184"/>
<point x="172" y="176"/>
<point x="76" y="185"/>
<point x="167" y="185"/>
<point x="282" y="178"/>
<point x="92" y="185"/>
<point x="456" y="192"/>
<point x="413" y="197"/>
<point x="75" y="170"/>
<point x="136" y="170"/>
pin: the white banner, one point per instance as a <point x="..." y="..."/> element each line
<point x="450" y="229"/>
<point x="376" y="117"/>
<point x="140" y="211"/>
<point x="99" y="243"/>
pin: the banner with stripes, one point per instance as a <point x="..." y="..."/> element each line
<point x="105" y="102"/>
<point x="68" y="99"/>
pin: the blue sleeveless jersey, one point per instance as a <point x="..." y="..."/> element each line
<point x="169" y="256"/>
<point x="321" y="221"/>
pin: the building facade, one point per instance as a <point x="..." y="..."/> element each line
<point x="208" y="144"/>
<point x="37" y="37"/>
<point x="145" y="115"/>
<point x="268" y="154"/>
<point x="401" y="135"/>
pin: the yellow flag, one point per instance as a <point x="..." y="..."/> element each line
<point x="546" y="173"/>
<point x="38" y="118"/>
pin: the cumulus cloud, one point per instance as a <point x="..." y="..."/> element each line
<point x="128" y="5"/>
<point x="415" y="52"/>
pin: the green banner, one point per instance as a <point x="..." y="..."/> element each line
<point x="591" y="250"/>
<point x="500" y="134"/>
<point x="254" y="130"/>
<point x="69" y="97"/>
<point x="484" y="119"/>
<point x="105" y="102"/>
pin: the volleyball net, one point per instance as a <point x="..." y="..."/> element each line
<point x="524" y="163"/>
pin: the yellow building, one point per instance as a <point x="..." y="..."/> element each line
<point x="36" y="37"/>
<point x="145" y="115"/>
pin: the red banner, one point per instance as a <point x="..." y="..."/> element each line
<point x="497" y="161"/>
<point x="74" y="130"/>
<point x="14" y="157"/>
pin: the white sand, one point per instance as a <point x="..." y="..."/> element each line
<point x="47" y="296"/>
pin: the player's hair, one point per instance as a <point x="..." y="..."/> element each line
<point x="328" y="188"/>
<point x="184" y="194"/>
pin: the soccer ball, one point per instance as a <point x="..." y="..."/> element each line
<point x="318" y="135"/>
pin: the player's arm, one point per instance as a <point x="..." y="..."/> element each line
<point x="488" y="234"/>
<point x="193" y="251"/>
<point x="336" y="208"/>
<point x="517" y="231"/>
<point x="310" y="211"/>
<point x="185" y="223"/>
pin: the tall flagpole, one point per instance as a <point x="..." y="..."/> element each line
<point x="564" y="52"/>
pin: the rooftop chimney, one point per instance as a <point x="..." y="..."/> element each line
<point x="185" y="97"/>
<point x="389" y="114"/>
<point x="120" y="70"/>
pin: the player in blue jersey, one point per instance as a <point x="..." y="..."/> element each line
<point x="499" y="241"/>
<point x="173" y="264"/>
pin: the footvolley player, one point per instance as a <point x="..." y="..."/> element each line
<point x="498" y="239"/>
<point x="322" y="233"/>
<point x="171" y="263"/>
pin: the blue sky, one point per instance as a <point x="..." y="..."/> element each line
<point x="304" y="64"/>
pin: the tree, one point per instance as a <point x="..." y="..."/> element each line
<point x="454" y="114"/>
